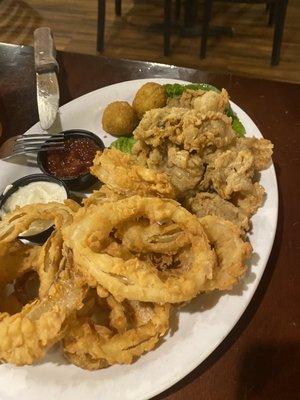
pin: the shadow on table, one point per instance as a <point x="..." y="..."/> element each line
<point x="248" y="314"/>
<point x="267" y="366"/>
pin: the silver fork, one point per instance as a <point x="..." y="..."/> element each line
<point x="31" y="143"/>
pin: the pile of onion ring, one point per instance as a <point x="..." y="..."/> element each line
<point x="106" y="280"/>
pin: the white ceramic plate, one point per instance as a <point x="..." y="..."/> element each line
<point x="202" y="325"/>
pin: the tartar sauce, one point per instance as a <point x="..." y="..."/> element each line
<point x="34" y="192"/>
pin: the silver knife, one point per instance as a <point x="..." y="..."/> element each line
<point x="46" y="67"/>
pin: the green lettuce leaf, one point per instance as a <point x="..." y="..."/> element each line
<point x="236" y="124"/>
<point x="124" y="143"/>
<point x="176" y="89"/>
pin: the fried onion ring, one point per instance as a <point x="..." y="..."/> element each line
<point x="133" y="328"/>
<point x="26" y="335"/>
<point x="49" y="260"/>
<point x="231" y="250"/>
<point x="19" y="221"/>
<point x="103" y="195"/>
<point x="136" y="277"/>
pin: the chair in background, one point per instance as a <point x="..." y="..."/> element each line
<point x="101" y="21"/>
<point x="277" y="13"/>
<point x="271" y="9"/>
<point x="118" y="11"/>
<point x="177" y="9"/>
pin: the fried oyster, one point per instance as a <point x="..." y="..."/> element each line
<point x="123" y="174"/>
<point x="194" y="144"/>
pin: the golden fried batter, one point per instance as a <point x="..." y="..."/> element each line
<point x="261" y="150"/>
<point x="122" y="174"/>
<point x="131" y="328"/>
<point x="197" y="137"/>
<point x="229" y="172"/>
<point x="137" y="278"/>
<point x="205" y="203"/>
<point x="231" y="251"/>
<point x="26" y="335"/>
<point x="103" y="195"/>
<point x="250" y="201"/>
<point x="177" y="140"/>
<point x="188" y="129"/>
<point x="186" y="100"/>
<point x="212" y="101"/>
<point x="201" y="100"/>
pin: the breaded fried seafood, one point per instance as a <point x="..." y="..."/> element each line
<point x="124" y="175"/>
<point x="193" y="142"/>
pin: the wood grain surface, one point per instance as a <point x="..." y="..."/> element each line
<point x="261" y="356"/>
<point x="74" y="23"/>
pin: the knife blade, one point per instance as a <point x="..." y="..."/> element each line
<point x="46" y="67"/>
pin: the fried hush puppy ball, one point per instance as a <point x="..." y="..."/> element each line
<point x="119" y="118"/>
<point x="149" y="96"/>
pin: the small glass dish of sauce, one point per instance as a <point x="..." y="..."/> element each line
<point x="72" y="163"/>
<point x="32" y="189"/>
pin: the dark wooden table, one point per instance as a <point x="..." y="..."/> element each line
<point x="260" y="358"/>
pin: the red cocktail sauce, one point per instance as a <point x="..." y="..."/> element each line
<point x="74" y="160"/>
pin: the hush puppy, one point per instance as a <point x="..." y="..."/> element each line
<point x="149" y="96"/>
<point x="119" y="118"/>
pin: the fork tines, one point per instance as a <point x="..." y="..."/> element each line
<point x="41" y="138"/>
<point x="39" y="146"/>
<point x="38" y="142"/>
